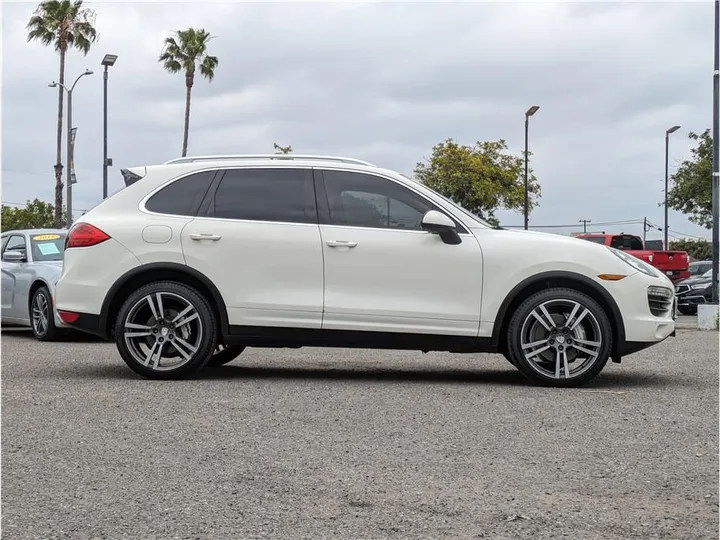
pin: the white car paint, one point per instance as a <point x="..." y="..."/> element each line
<point x="303" y="275"/>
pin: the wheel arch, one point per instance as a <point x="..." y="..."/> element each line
<point x="148" y="273"/>
<point x="36" y="284"/>
<point x="554" y="279"/>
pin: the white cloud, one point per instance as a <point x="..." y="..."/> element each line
<point x="383" y="82"/>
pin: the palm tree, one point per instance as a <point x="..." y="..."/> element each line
<point x="183" y="53"/>
<point x="65" y="24"/>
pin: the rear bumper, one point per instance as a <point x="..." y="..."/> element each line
<point x="90" y="324"/>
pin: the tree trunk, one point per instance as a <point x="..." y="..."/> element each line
<point x="58" y="218"/>
<point x="188" y="88"/>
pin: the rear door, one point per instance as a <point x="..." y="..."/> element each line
<point x="257" y="239"/>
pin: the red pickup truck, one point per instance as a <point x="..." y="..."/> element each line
<point x="674" y="264"/>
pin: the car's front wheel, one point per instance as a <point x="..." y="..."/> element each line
<point x="560" y="337"/>
<point x="686" y="310"/>
<point x="166" y="330"/>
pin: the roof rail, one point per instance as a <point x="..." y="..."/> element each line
<point x="192" y="159"/>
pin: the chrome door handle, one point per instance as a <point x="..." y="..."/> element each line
<point x="341" y="243"/>
<point x="213" y="237"/>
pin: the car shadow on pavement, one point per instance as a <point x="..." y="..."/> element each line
<point x="510" y="377"/>
<point x="614" y="382"/>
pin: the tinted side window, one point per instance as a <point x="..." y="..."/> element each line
<point x="16" y="243"/>
<point x="364" y="200"/>
<point x="183" y="196"/>
<point x="284" y="195"/>
<point x="4" y="241"/>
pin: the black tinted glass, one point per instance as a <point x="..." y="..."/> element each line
<point x="183" y="196"/>
<point x="632" y="243"/>
<point x="363" y="200"/>
<point x="284" y="195"/>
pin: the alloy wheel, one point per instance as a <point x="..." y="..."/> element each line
<point x="163" y="331"/>
<point x="40" y="314"/>
<point x="561" y="339"/>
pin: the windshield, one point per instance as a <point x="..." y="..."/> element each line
<point x="450" y="201"/>
<point x="48" y="247"/>
<point x="708" y="274"/>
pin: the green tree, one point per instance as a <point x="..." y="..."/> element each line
<point x="697" y="248"/>
<point x="282" y="149"/>
<point x="36" y="214"/>
<point x="691" y="192"/>
<point x="64" y="24"/>
<point x="482" y="178"/>
<point x="185" y="52"/>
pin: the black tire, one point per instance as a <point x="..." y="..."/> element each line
<point x="687" y="311"/>
<point x="224" y="355"/>
<point x="548" y="363"/>
<point x="42" y="316"/>
<point x="197" y="328"/>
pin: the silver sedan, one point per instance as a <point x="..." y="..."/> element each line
<point x="31" y="265"/>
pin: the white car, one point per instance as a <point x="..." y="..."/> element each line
<point x="199" y="257"/>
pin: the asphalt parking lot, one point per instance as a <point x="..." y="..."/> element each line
<point x="319" y="443"/>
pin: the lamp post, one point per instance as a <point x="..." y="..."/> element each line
<point x="716" y="157"/>
<point x="532" y="110"/>
<point x="69" y="141"/>
<point x="667" y="146"/>
<point x="107" y="61"/>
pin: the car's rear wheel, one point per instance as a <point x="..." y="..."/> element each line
<point x="224" y="355"/>
<point x="560" y="337"/>
<point x="166" y="330"/>
<point x="42" y="316"/>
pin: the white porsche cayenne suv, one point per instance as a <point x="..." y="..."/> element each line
<point x="198" y="258"/>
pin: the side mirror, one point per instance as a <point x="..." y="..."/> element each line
<point x="14" y="256"/>
<point x="438" y="223"/>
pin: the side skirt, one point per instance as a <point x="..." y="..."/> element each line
<point x="271" y="337"/>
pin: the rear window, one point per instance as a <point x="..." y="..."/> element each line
<point x="595" y="239"/>
<point x="47" y="247"/>
<point x="627" y="242"/>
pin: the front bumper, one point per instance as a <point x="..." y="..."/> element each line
<point x="643" y="328"/>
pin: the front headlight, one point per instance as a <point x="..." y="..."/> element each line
<point x="696" y="287"/>
<point x="636" y="263"/>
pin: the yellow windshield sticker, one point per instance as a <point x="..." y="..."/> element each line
<point x="46" y="237"/>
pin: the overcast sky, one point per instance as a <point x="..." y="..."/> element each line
<point x="383" y="82"/>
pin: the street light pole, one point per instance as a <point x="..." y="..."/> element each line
<point x="532" y="110"/>
<point x="107" y="61"/>
<point x="716" y="157"/>
<point x="69" y="143"/>
<point x="667" y="147"/>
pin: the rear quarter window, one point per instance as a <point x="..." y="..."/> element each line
<point x="183" y="196"/>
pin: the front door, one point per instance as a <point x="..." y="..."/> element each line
<point x="383" y="272"/>
<point x="258" y="240"/>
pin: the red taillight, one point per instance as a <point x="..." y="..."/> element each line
<point x="84" y="235"/>
<point x="68" y="317"/>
